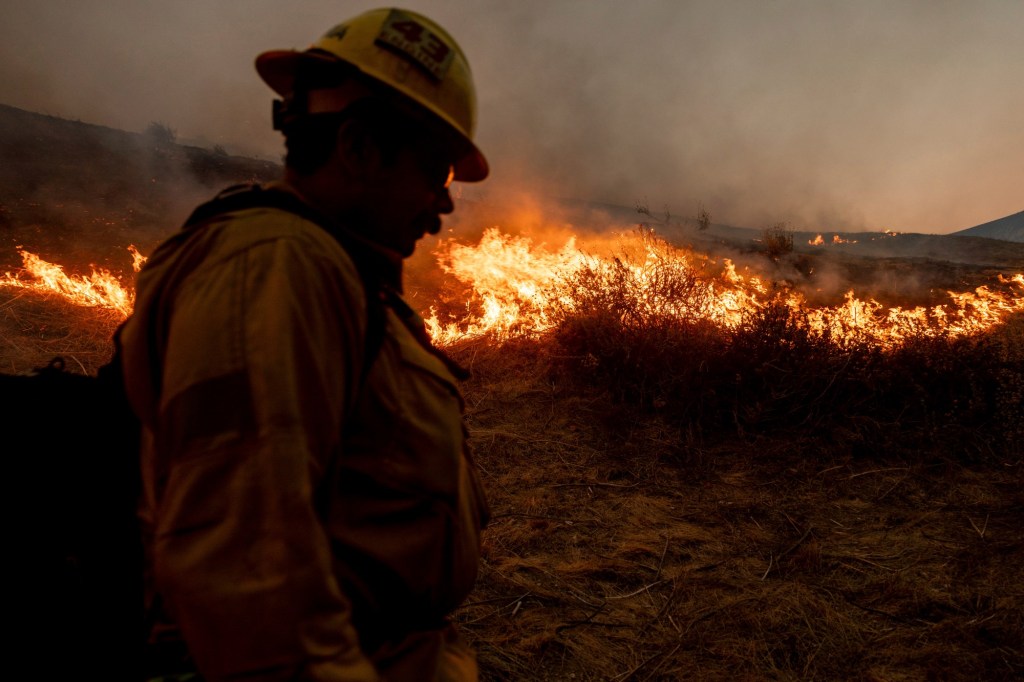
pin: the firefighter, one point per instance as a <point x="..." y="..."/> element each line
<point x="310" y="508"/>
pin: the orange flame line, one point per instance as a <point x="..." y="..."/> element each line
<point x="100" y="289"/>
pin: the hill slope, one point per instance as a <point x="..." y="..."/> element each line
<point x="1010" y="228"/>
<point x="72" y="183"/>
<point x="996" y="244"/>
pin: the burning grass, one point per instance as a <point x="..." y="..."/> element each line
<point x="49" y="313"/>
<point x="506" y="286"/>
<point x="37" y="327"/>
<point x="99" y="289"/>
<point x="691" y="479"/>
<point x="717" y="352"/>
<point x="743" y="494"/>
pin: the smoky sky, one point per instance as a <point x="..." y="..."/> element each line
<point x="828" y="114"/>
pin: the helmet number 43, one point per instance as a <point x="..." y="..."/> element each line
<point x="413" y="40"/>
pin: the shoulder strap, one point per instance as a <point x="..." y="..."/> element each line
<point x="251" y="195"/>
<point x="245" y="196"/>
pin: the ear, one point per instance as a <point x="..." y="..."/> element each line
<point x="355" y="151"/>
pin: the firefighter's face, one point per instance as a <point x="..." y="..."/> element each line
<point x="406" y="197"/>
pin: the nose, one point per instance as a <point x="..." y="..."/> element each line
<point x="444" y="204"/>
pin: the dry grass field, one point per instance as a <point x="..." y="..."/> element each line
<point x="673" y="501"/>
<point x="624" y="548"/>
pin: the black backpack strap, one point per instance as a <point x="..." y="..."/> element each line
<point x="234" y="198"/>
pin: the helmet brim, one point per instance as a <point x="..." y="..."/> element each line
<point x="277" y="68"/>
<point x="471" y="165"/>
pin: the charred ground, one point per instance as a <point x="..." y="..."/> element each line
<point x="669" y="501"/>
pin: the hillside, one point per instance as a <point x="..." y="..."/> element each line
<point x="68" y="185"/>
<point x="996" y="243"/>
<point x="969" y="250"/>
<point x="671" y="499"/>
<point x="1010" y="228"/>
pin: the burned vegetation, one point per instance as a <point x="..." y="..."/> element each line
<point x="694" y="471"/>
<point x="698" y="474"/>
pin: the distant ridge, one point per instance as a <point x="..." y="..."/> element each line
<point x="62" y="177"/>
<point x="1009" y="229"/>
<point x="73" y="186"/>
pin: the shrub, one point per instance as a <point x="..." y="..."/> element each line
<point x="777" y="241"/>
<point x="637" y="331"/>
<point x="161" y="134"/>
<point x="703" y="218"/>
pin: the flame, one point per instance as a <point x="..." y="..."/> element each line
<point x="836" y="239"/>
<point x="138" y="260"/>
<point x="100" y="289"/>
<point x="514" y="287"/>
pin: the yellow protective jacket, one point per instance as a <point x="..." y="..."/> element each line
<point x="302" y="520"/>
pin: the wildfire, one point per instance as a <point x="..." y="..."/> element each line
<point x="100" y="289"/>
<point x="836" y="239"/>
<point x="512" y="287"/>
<point x="968" y="313"/>
<point x="515" y="286"/>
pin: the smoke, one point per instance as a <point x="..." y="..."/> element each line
<point x="807" y="112"/>
<point x="82" y="193"/>
<point x="828" y="114"/>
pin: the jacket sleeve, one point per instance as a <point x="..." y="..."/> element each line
<point x="262" y="353"/>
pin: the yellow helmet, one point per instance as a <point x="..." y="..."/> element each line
<point x="410" y="54"/>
